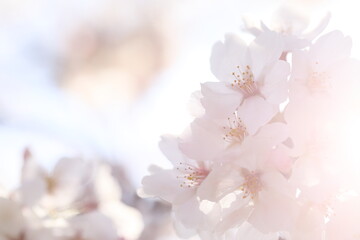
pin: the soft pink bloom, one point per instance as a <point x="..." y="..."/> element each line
<point x="253" y="80"/>
<point x="178" y="185"/>
<point x="322" y="78"/>
<point x="264" y="196"/>
<point x="206" y="138"/>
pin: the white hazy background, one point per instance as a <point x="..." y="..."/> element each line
<point x="105" y="79"/>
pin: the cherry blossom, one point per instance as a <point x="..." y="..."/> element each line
<point x="178" y="185"/>
<point x="252" y="77"/>
<point x="272" y="154"/>
<point x="206" y="138"/>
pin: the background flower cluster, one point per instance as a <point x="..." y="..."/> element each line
<point x="76" y="200"/>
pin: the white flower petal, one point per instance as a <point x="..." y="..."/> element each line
<point x="166" y="185"/>
<point x="219" y="100"/>
<point x="311" y="34"/>
<point x="183" y="231"/>
<point x="226" y="56"/>
<point x="300" y="65"/>
<point x="219" y="182"/>
<point x="169" y="147"/>
<point x="205" y="140"/>
<point x="188" y="213"/>
<point x="255" y="112"/>
<point x="273" y="212"/>
<point x="264" y="50"/>
<point x="275" y="88"/>
<point x="330" y="49"/>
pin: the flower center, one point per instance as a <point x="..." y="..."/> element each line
<point x="244" y="81"/>
<point x="191" y="176"/>
<point x="318" y="81"/>
<point x="236" y="130"/>
<point x="252" y="184"/>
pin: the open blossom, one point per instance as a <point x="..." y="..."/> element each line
<point x="322" y="78"/>
<point x="180" y="184"/>
<point x="261" y="191"/>
<point x="206" y="138"/>
<point x="252" y="77"/>
<point x="322" y="68"/>
<point x="239" y="161"/>
<point x="183" y="179"/>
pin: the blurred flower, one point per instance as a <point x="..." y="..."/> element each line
<point x="12" y="222"/>
<point x="93" y="226"/>
<point x="127" y="220"/>
<point x="292" y="21"/>
<point x="56" y="190"/>
<point x="113" y="57"/>
<point x="77" y="200"/>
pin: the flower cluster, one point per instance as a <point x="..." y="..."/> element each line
<point x="77" y="200"/>
<point x="273" y="154"/>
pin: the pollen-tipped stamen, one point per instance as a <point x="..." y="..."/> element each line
<point x="191" y="176"/>
<point x="236" y="130"/>
<point x="244" y="81"/>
